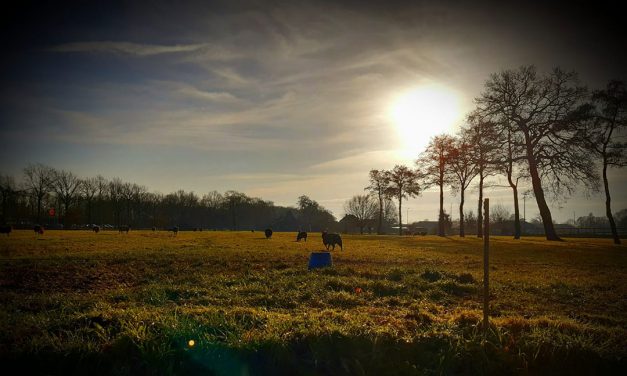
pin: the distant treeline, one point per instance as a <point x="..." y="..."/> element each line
<point x="78" y="202"/>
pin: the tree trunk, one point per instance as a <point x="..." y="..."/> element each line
<point x="480" y="208"/>
<point x="545" y="212"/>
<point x="400" y="220"/>
<point x="461" y="214"/>
<point x="380" y="225"/>
<point x="516" y="214"/>
<point x="608" y="199"/>
<point x="65" y="207"/>
<point x="514" y="187"/>
<point x="39" y="199"/>
<point x="441" y="219"/>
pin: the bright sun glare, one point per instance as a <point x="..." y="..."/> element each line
<point x="423" y="112"/>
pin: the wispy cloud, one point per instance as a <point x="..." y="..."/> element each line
<point x="141" y="50"/>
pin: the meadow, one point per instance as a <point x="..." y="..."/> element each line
<point x="75" y="302"/>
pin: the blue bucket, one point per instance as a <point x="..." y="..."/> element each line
<point x="320" y="260"/>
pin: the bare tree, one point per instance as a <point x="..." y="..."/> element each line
<point x="378" y="186"/>
<point x="484" y="138"/>
<point x="464" y="169"/>
<point x="89" y="190"/>
<point x="508" y="159"/>
<point x="38" y="180"/>
<point x="389" y="212"/>
<point x="234" y="200"/>
<point x="434" y="165"/>
<point x="499" y="213"/>
<point x="402" y="182"/>
<point x="363" y="208"/>
<point x="609" y="120"/>
<point x="8" y="191"/>
<point x="541" y="109"/>
<point x="67" y="187"/>
<point x="115" y="194"/>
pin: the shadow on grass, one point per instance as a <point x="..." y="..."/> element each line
<point x="331" y="354"/>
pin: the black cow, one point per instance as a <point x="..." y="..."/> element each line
<point x="122" y="229"/>
<point x="6" y="230"/>
<point x="95" y="229"/>
<point x="38" y="229"/>
<point x="301" y="235"/>
<point x="268" y="233"/>
<point x="175" y="230"/>
<point x="331" y="240"/>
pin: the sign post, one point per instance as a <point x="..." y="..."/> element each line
<point x="486" y="259"/>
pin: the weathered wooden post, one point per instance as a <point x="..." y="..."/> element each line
<point x="486" y="262"/>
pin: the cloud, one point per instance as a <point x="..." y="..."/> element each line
<point x="142" y="50"/>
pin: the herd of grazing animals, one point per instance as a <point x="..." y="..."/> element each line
<point x="329" y="240"/>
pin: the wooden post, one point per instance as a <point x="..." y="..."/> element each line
<point x="486" y="259"/>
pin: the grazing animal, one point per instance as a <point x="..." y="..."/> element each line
<point x="331" y="240"/>
<point x="301" y="235"/>
<point x="154" y="229"/>
<point x="175" y="230"/>
<point x="268" y="233"/>
<point x="6" y="230"/>
<point x="96" y="229"/>
<point x="38" y="229"/>
<point x="122" y="229"/>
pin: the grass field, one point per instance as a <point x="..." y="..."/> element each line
<point x="109" y="303"/>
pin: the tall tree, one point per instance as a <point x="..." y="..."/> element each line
<point x="402" y="182"/>
<point x="313" y="216"/>
<point x="115" y="193"/>
<point x="506" y="155"/>
<point x="234" y="200"/>
<point x="609" y="120"/>
<point x="38" y="180"/>
<point x="541" y="109"/>
<point x="102" y="185"/>
<point x="434" y="164"/>
<point x="89" y="190"/>
<point x="464" y="169"/>
<point x="8" y="192"/>
<point x="378" y="186"/>
<point x="363" y="208"/>
<point x="67" y="188"/>
<point x="483" y="136"/>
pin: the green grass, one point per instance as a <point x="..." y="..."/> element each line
<point x="77" y="302"/>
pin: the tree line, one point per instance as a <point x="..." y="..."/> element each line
<point x="546" y="130"/>
<point x="102" y="201"/>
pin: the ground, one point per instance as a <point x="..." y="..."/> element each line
<point x="238" y="303"/>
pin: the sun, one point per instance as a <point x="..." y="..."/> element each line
<point x="423" y="112"/>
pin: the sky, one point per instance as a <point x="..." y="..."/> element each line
<point x="278" y="99"/>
